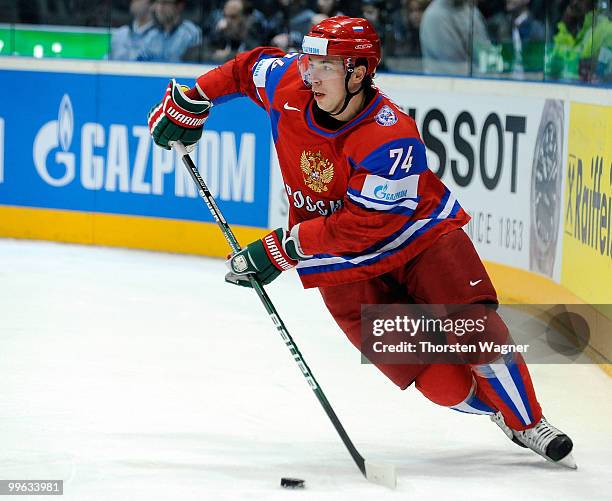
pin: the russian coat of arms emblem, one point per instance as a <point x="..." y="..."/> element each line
<point x="318" y="171"/>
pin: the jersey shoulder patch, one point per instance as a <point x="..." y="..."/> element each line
<point x="386" y="116"/>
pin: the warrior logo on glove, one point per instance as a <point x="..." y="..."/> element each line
<point x="178" y="118"/>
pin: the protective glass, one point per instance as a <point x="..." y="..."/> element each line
<point x="320" y="68"/>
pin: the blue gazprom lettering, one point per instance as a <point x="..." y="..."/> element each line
<point x="105" y="162"/>
<point x="380" y="192"/>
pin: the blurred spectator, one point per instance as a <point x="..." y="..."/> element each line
<point x="521" y="37"/>
<point x="97" y="13"/>
<point x="374" y="11"/>
<point x="237" y="28"/>
<point x="325" y="9"/>
<point x="128" y="42"/>
<point x="406" y="24"/>
<point x="267" y="7"/>
<point x="582" y="47"/>
<point x="291" y="23"/>
<point x="303" y="21"/>
<point x="453" y="35"/>
<point x="173" y="36"/>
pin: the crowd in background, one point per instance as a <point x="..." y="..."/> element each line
<point x="566" y="39"/>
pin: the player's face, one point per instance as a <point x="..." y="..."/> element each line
<point x="326" y="75"/>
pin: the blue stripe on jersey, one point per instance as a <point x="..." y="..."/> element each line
<point x="382" y="159"/>
<point x="456" y="208"/>
<point x="372" y="260"/>
<point x="398" y="208"/>
<point x="276" y="72"/>
<point x="352" y="123"/>
<point x="225" y="98"/>
<point x="433" y="216"/>
<point x="379" y="245"/>
<point x="374" y="250"/>
<point x="274" y="117"/>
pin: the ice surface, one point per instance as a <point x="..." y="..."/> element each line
<point x="143" y="376"/>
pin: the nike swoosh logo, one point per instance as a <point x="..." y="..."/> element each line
<point x="287" y="107"/>
<point x="475" y="282"/>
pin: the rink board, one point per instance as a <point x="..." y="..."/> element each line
<point x="112" y="230"/>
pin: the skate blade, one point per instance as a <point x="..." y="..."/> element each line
<point x="381" y="473"/>
<point x="568" y="461"/>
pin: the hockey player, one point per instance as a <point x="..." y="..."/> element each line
<point x="369" y="223"/>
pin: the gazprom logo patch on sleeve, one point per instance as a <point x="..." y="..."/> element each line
<point x="386" y="116"/>
<point x="390" y="190"/>
<point x="314" y="45"/>
<point x="382" y="192"/>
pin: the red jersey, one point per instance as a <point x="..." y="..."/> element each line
<point x="362" y="195"/>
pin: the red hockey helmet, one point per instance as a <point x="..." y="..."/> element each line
<point x="349" y="37"/>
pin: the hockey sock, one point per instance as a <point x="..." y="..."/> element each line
<point x="475" y="403"/>
<point x="506" y="383"/>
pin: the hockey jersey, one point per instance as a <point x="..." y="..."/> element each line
<point x="362" y="195"/>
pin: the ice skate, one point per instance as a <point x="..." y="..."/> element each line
<point x="544" y="439"/>
<point x="498" y="419"/>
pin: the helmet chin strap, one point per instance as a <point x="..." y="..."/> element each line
<point x="349" y="95"/>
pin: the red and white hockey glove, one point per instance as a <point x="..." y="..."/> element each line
<point x="278" y="251"/>
<point x="178" y="117"/>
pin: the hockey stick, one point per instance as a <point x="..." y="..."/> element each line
<point x="378" y="473"/>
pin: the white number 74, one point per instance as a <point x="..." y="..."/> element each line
<point x="398" y="154"/>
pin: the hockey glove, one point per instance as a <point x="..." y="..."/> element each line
<point x="178" y="118"/>
<point x="266" y="258"/>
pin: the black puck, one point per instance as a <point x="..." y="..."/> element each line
<point x="292" y="483"/>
